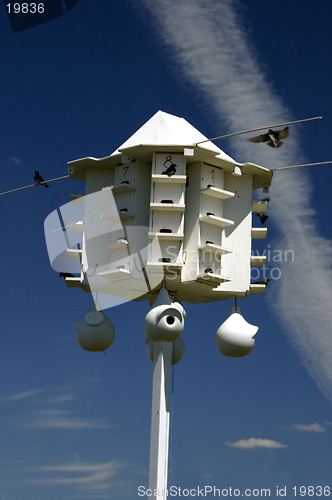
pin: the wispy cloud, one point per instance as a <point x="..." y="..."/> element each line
<point x="211" y="51"/>
<point x="63" y="419"/>
<point x="21" y="395"/>
<point x="316" y="427"/>
<point x="15" y="160"/>
<point x="256" y="443"/>
<point x="55" y="408"/>
<point x="88" y="476"/>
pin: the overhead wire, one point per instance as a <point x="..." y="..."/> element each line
<point x="201" y="142"/>
<point x="33" y="185"/>
<point x="260" y="128"/>
<point x="304" y="165"/>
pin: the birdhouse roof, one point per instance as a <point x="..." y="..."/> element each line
<point x="166" y="130"/>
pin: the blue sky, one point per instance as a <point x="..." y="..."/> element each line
<point x="76" y="424"/>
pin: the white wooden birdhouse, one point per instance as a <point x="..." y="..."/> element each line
<point x="167" y="207"/>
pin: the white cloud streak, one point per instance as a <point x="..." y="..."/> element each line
<point x="15" y="160"/>
<point x="316" y="427"/>
<point x="56" y="408"/>
<point x="96" y="476"/>
<point x="22" y="395"/>
<point x="211" y="50"/>
<point x="255" y="443"/>
<point x="63" y="419"/>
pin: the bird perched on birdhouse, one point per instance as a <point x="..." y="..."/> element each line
<point x="262" y="217"/>
<point x="170" y="169"/>
<point x="262" y="282"/>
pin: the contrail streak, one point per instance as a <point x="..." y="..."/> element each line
<point x="211" y="50"/>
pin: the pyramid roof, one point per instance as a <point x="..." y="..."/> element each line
<point x="164" y="129"/>
<point x="165" y="132"/>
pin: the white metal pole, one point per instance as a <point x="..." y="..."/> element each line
<point x="160" y="419"/>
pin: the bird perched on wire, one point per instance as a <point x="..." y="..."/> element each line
<point x="272" y="137"/>
<point x="262" y="282"/>
<point x="38" y="178"/>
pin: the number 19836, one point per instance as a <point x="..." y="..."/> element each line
<point x="25" y="8"/>
<point x="311" y="491"/>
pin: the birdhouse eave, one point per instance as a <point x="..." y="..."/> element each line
<point x="77" y="168"/>
<point x="262" y="176"/>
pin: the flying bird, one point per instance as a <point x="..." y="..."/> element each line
<point x="272" y="137"/>
<point x="262" y="282"/>
<point x="38" y="178"/>
<point x="66" y="275"/>
<point x="262" y="217"/>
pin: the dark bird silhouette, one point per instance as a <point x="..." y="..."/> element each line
<point x="66" y="275"/>
<point x="170" y="170"/>
<point x="272" y="137"/>
<point x="38" y="178"/>
<point x="262" y="217"/>
<point x="262" y="282"/>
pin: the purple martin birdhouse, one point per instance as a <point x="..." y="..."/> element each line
<point x="165" y="207"/>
